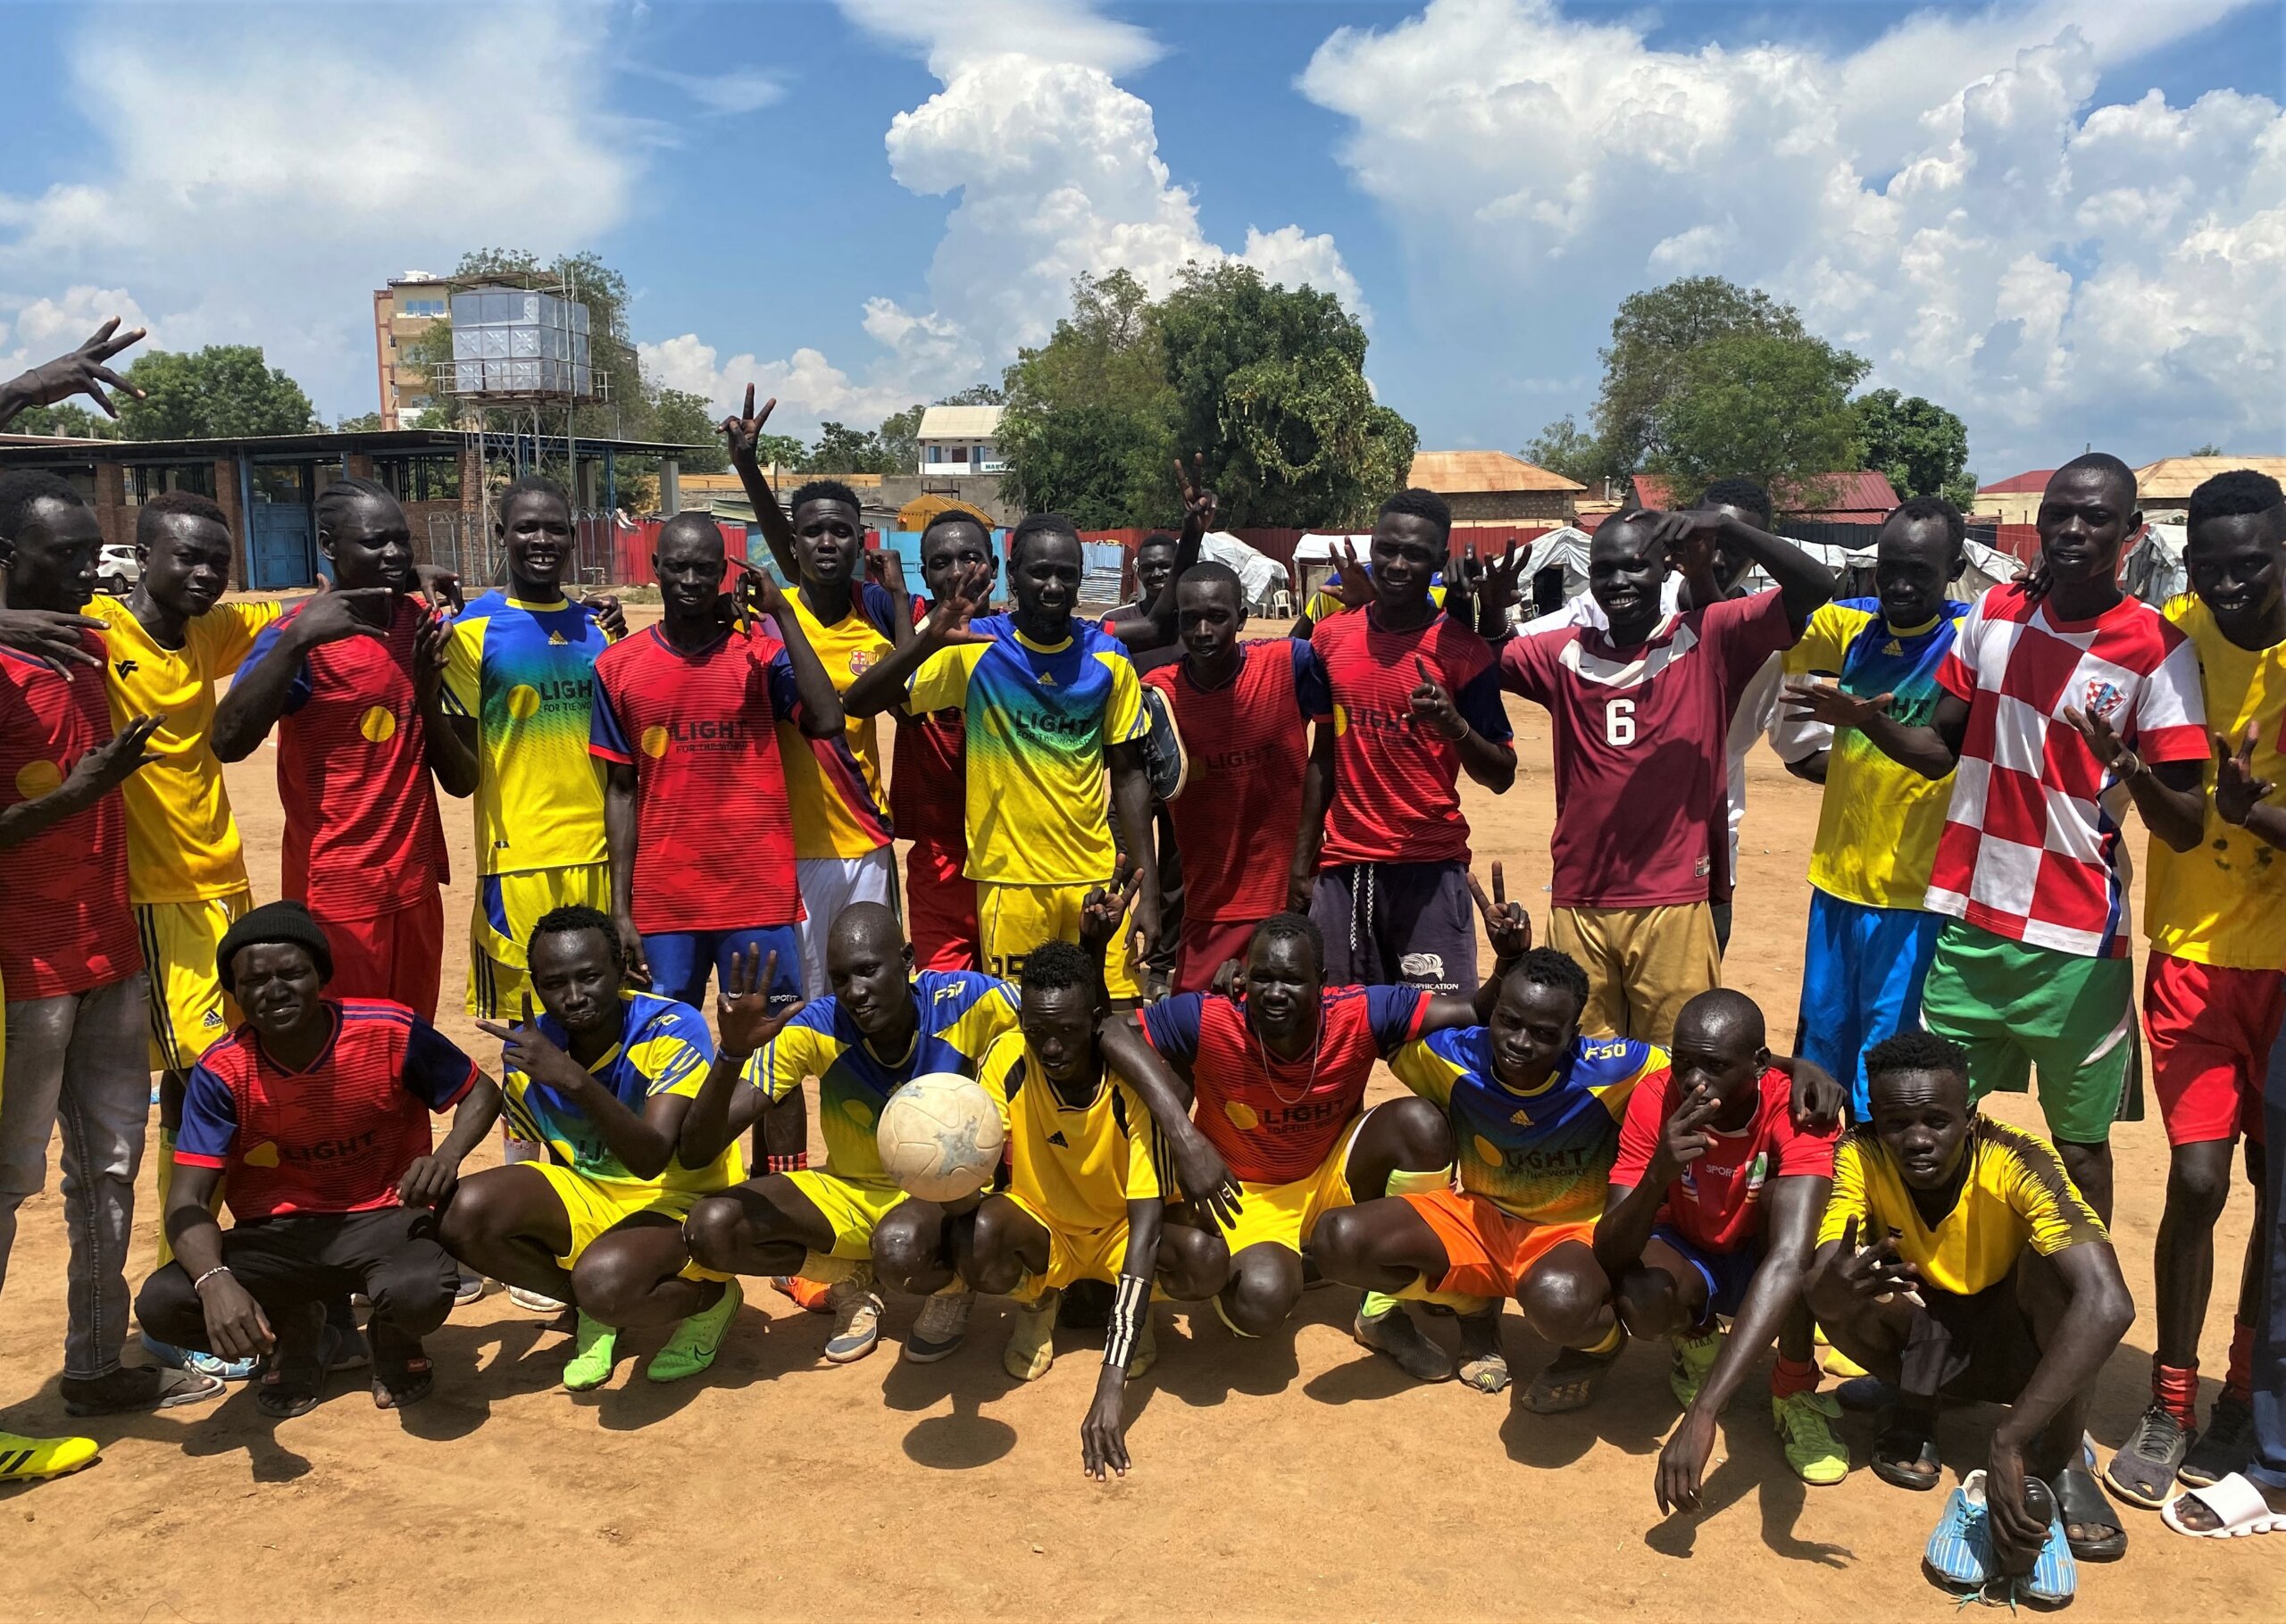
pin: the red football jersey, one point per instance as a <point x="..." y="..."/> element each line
<point x="1394" y="795"/>
<point x="1275" y="1120"/>
<point x="1715" y="1204"/>
<point x="929" y="782"/>
<point x="714" y="835"/>
<point x="70" y="927"/>
<point x="1642" y="782"/>
<point x="363" y="838"/>
<point x="1248" y="742"/>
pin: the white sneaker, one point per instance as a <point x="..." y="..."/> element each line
<point x="942" y="1323"/>
<point x="467" y="1288"/>
<point x="533" y="1302"/>
<point x="856" y="1319"/>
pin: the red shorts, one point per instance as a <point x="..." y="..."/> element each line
<point x="940" y="910"/>
<point x="2211" y="1028"/>
<point x="1488" y="1251"/>
<point x="399" y="955"/>
<point x="1206" y="945"/>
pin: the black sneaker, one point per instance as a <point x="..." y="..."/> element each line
<point x="2227" y="1446"/>
<point x="132" y="1389"/>
<point x="2143" y="1472"/>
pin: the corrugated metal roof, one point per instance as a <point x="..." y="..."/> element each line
<point x="2176" y="477"/>
<point x="2035" y="480"/>
<point x="1857" y="491"/>
<point x="1461" y="472"/>
<point x="960" y="422"/>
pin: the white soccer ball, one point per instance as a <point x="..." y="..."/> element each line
<point x="940" y="1136"/>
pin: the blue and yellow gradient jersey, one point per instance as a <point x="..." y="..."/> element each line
<point x="1038" y="719"/>
<point x="1544" y="1153"/>
<point x="665" y="1048"/>
<point x="1075" y="1167"/>
<point x="962" y="1013"/>
<point x="526" y="672"/>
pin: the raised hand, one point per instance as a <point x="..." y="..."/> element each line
<point x="440" y="586"/>
<point x="1433" y="707"/>
<point x="50" y="637"/>
<point x="1351" y="585"/>
<point x="947" y="620"/>
<point x="2237" y="791"/>
<point x="745" y="1019"/>
<point x="329" y="614"/>
<point x="527" y="1049"/>
<point x="742" y="433"/>
<point x="82" y="371"/>
<point x="432" y="642"/>
<point x="1506" y="925"/>
<point x="1104" y="907"/>
<point x="1875" y="1272"/>
<point x="610" y="614"/>
<point x="2107" y="747"/>
<point x="754" y="595"/>
<point x="1199" y="504"/>
<point x="1825" y="699"/>
<point x="1501" y="586"/>
<point x="1688" y="536"/>
<point x="117" y="759"/>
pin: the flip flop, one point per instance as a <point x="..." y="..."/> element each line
<point x="2080" y="1503"/>
<point x="1569" y="1381"/>
<point x="2240" y="1506"/>
<point x="1905" y="1450"/>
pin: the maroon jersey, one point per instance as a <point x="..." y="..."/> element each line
<point x="335" y="1137"/>
<point x="713" y="833"/>
<point x="1276" y="1120"/>
<point x="363" y="838"/>
<point x="69" y="926"/>
<point x="1642" y="782"/>
<point x="929" y="788"/>
<point x="1394" y="793"/>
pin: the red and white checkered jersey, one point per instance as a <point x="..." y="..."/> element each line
<point x="2028" y="852"/>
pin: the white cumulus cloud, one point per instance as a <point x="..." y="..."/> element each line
<point x="1946" y="201"/>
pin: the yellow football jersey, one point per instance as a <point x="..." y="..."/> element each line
<point x="1076" y="1166"/>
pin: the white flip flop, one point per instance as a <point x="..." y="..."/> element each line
<point x="2240" y="1505"/>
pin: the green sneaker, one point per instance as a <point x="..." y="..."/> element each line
<point x="593" y="1345"/>
<point x="1695" y="1355"/>
<point x="1805" y="1423"/>
<point x="697" y="1340"/>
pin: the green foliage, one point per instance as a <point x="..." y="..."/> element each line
<point x="67" y="420"/>
<point x="1774" y="408"/>
<point x="680" y="416"/>
<point x="363" y="422"/>
<point x="222" y="389"/>
<point x="1088" y="431"/>
<point x="1921" y="447"/>
<point x="2210" y="449"/>
<point x="843" y="450"/>
<point x="897" y="441"/>
<point x="1564" y="447"/>
<point x="1652" y="337"/>
<point x="977" y="394"/>
<point x="781" y="451"/>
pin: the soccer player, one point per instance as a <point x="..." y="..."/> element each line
<point x="313" y="1116"/>
<point x="353" y="680"/>
<point x="1712" y="1211"/>
<point x="1050" y="702"/>
<point x="603" y="1078"/>
<point x="1088" y="1175"/>
<point x="696" y="809"/>
<point x="1870" y="937"/>
<point x="1640" y="711"/>
<point x="2212" y="994"/>
<point x="1244" y="712"/>
<point x="881" y="1026"/>
<point x="1416" y="703"/>
<point x="1958" y="1260"/>
<point x="2063" y="699"/>
<point x="69" y="961"/>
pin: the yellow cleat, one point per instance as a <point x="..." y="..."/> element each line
<point x="23" y="1458"/>
<point x="1805" y="1424"/>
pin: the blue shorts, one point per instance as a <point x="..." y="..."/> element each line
<point x="1727" y="1274"/>
<point x="1862" y="973"/>
<point x="680" y="959"/>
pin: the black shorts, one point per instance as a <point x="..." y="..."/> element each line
<point x="1977" y="1348"/>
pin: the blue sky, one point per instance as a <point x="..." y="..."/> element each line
<point x="2062" y="220"/>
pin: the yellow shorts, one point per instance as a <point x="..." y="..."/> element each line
<point x="188" y="1009"/>
<point x="507" y="907"/>
<point x="1284" y="1214"/>
<point x="1011" y="920"/>
<point x="593" y="1209"/>
<point x="851" y="1208"/>
<point x="1073" y="1254"/>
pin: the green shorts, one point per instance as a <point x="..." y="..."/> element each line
<point x="2015" y="1007"/>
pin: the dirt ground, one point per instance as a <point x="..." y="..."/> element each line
<point x="1296" y="1476"/>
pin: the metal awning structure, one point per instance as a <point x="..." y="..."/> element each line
<point x="32" y="450"/>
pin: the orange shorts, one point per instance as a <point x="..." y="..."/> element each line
<point x="1488" y="1251"/>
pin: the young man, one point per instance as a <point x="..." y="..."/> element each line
<point x="1244" y="712"/>
<point x="1087" y="1187"/>
<point x="695" y="810"/>
<point x="353" y="680"/>
<point x="313" y="1116"/>
<point x="520" y="670"/>
<point x="1154" y="568"/>
<point x="1050" y="703"/>
<point x="2212" y="992"/>
<point x="1869" y="936"/>
<point x="1712" y="1212"/>
<point x="1640" y="712"/>
<point x="73" y="972"/>
<point x="1957" y="1259"/>
<point x="2063" y="699"/>
<point x="880" y="1027"/>
<point x="1415" y="703"/>
<point x="603" y="1078"/>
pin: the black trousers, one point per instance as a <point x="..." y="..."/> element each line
<point x="288" y="1263"/>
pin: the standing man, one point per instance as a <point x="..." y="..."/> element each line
<point x="1870" y="937"/>
<point x="2064" y="700"/>
<point x="1415" y="703"/>
<point x="72" y="971"/>
<point x="352" y="678"/>
<point x="1642" y="845"/>
<point x="2212" y="991"/>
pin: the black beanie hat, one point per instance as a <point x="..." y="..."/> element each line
<point x="273" y="922"/>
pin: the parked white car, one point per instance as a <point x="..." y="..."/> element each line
<point x="117" y="570"/>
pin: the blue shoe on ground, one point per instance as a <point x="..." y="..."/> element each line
<point x="2055" y="1577"/>
<point x="190" y="1359"/>
<point x="1959" y="1552"/>
<point x="1867" y="1392"/>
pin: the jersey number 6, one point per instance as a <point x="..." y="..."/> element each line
<point x="1619" y="721"/>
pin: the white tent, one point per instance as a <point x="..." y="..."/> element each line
<point x="2155" y="571"/>
<point x="1261" y="576"/>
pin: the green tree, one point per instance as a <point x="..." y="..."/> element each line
<point x="843" y="450"/>
<point x="1652" y="340"/>
<point x="223" y="389"/>
<point x="1773" y="408"/>
<point x="1564" y="447"/>
<point x="2210" y="449"/>
<point x="682" y="418"/>
<point x="977" y="394"/>
<point x="363" y="422"/>
<point x="899" y="440"/>
<point x="66" y="421"/>
<point x="1921" y="447"/>
<point x="1088" y="432"/>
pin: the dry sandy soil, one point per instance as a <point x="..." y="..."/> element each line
<point x="1296" y="1476"/>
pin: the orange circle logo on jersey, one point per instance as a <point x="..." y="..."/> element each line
<point x="1243" y="1116"/>
<point x="1487" y="1152"/>
<point x="378" y="725"/>
<point x="1340" y="719"/>
<point x="38" y="779"/>
<point x="654" y="741"/>
<point x="523" y="702"/>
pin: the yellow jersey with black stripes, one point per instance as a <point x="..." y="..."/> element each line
<point x="1074" y="1166"/>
